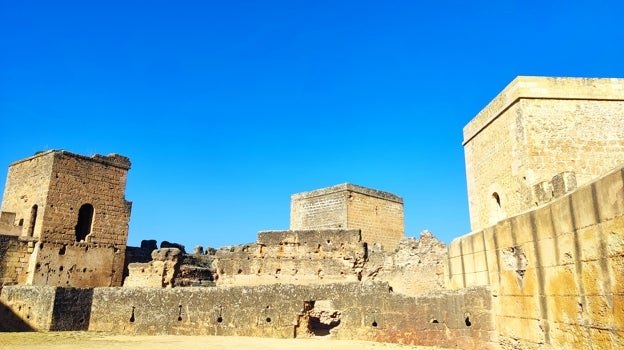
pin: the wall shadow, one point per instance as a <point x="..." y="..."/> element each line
<point x="72" y="309"/>
<point x="11" y="322"/>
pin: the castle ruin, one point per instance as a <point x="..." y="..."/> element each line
<point x="541" y="269"/>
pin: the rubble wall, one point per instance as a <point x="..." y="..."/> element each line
<point x="365" y="311"/>
<point x="15" y="253"/>
<point x="77" y="264"/>
<point x="293" y="257"/>
<point x="556" y="272"/>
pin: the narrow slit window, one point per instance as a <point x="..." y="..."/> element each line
<point x="33" y="220"/>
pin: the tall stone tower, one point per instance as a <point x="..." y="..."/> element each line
<point x="73" y="207"/>
<point x="540" y="138"/>
<point x="378" y="214"/>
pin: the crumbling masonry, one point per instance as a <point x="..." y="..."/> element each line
<point x="542" y="268"/>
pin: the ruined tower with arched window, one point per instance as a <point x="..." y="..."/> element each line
<point x="71" y="217"/>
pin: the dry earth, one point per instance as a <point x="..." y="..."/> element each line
<point x="93" y="340"/>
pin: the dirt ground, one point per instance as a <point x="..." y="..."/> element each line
<point x="94" y="340"/>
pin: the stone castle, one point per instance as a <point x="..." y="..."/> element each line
<point x="542" y="268"/>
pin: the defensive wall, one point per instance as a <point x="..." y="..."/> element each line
<point x="365" y="311"/>
<point x="556" y="273"/>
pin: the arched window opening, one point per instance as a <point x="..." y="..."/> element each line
<point x="33" y="221"/>
<point x="85" y="220"/>
<point x="496" y="198"/>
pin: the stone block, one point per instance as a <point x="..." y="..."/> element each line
<point x="614" y="235"/>
<point x="504" y="235"/>
<point x="454" y="249"/>
<point x="561" y="212"/>
<point x="610" y="195"/>
<point x="583" y="207"/>
<point x="542" y="218"/>
<point x="519" y="306"/>
<point x="566" y="249"/>
<point x="522" y="228"/>
<point x="560" y="280"/>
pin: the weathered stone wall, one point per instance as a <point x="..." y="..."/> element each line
<point x="417" y="266"/>
<point x="320" y="209"/>
<point x="535" y="129"/>
<point x="295" y="257"/>
<point x="557" y="272"/>
<point x="367" y="311"/>
<point x="27" y="186"/>
<point x="15" y="253"/>
<point x="76" y="264"/>
<point x="99" y="181"/>
<point x="380" y="217"/>
<point x="378" y="214"/>
<point x="49" y="193"/>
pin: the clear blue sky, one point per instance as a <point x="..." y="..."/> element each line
<point x="226" y="108"/>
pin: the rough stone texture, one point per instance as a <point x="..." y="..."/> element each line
<point x="159" y="272"/>
<point x="537" y="128"/>
<point x="75" y="206"/>
<point x="364" y="311"/>
<point x="417" y="266"/>
<point x="557" y="272"/>
<point x="378" y="214"/>
<point x="14" y="257"/>
<point x="296" y="257"/>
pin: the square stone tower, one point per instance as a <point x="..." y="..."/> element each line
<point x="378" y="214"/>
<point x="539" y="138"/>
<point x="74" y="208"/>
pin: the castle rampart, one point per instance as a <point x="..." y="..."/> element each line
<point x="556" y="271"/>
<point x="364" y="311"/>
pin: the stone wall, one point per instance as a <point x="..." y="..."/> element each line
<point x="366" y="311"/>
<point x="75" y="207"/>
<point x="535" y="129"/>
<point x="378" y="214"/>
<point x="556" y="272"/>
<point x="76" y="264"/>
<point x="98" y="181"/>
<point x="15" y="254"/>
<point x="294" y="257"/>
<point x="26" y="191"/>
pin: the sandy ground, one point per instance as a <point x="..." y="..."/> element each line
<point x="92" y="340"/>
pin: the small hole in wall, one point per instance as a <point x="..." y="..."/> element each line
<point x="41" y="246"/>
<point x="132" y="315"/>
<point x="240" y="271"/>
<point x="374" y="324"/>
<point x="268" y="319"/>
<point x="62" y="250"/>
<point x="434" y="321"/>
<point x="84" y="269"/>
<point x="328" y="241"/>
<point x="21" y="222"/>
<point x="219" y="319"/>
<point x="467" y="320"/>
<point x="61" y="268"/>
